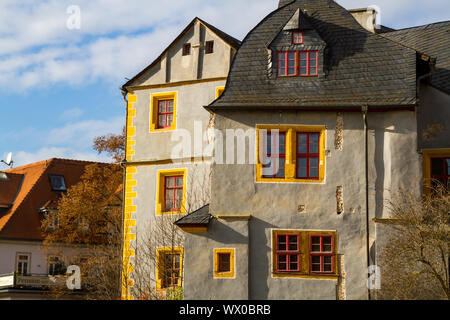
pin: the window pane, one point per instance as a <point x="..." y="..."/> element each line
<point x="280" y="173"/>
<point x="314" y="162"/>
<point x="303" y="55"/>
<point x="291" y="63"/>
<point x="170" y="181"/>
<point x="170" y="106"/>
<point x="303" y="63"/>
<point x="179" y="181"/>
<point x="448" y="166"/>
<point x="282" y="71"/>
<point x="291" y="56"/>
<point x="282" y="264"/>
<point x="313" y="70"/>
<point x="315" y="244"/>
<point x="293" y="262"/>
<point x="302" y="143"/>
<point x="282" y="243"/>
<point x="282" y="143"/>
<point x="162" y="106"/>
<point x="293" y="243"/>
<point x="169" y="119"/>
<point x="436" y="166"/>
<point x="291" y="71"/>
<point x="326" y="241"/>
<point x="162" y="121"/>
<point x="312" y="55"/>
<point x="303" y="71"/>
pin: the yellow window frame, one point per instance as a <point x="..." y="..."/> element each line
<point x="159" y="255"/>
<point x="219" y="91"/>
<point x="427" y="155"/>
<point x="291" y="157"/>
<point x="160" y="187"/>
<point x="304" y="238"/>
<point x="154" y="99"/>
<point x="224" y="275"/>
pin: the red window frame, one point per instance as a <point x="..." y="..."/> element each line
<point x="308" y="155"/>
<point x="321" y="254"/>
<point x="308" y="63"/>
<point x="224" y="265"/>
<point x="444" y="176"/>
<point x="295" y="36"/>
<point x="165" y="113"/>
<point x="281" y="156"/>
<point x="171" y="270"/>
<point x="284" y="56"/>
<point x="286" y="59"/>
<point x="288" y="253"/>
<point x="209" y="47"/>
<point x="172" y="189"/>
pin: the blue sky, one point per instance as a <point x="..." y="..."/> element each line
<point x="59" y="87"/>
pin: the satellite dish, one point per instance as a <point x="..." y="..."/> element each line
<point x="9" y="159"/>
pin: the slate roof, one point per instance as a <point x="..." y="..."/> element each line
<point x="434" y="41"/>
<point x="361" y="68"/>
<point x="196" y="218"/>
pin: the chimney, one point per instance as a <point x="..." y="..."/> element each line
<point x="366" y="18"/>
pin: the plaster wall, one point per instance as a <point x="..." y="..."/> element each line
<point x="393" y="162"/>
<point x="162" y="145"/>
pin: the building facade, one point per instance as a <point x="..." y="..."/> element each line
<point x="168" y="155"/>
<point x="322" y="116"/>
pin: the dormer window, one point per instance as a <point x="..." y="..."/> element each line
<point x="57" y="182"/>
<point x="298" y="63"/>
<point x="297" y="37"/>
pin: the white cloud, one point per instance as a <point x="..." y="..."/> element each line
<point x="119" y="38"/>
<point x="71" y="114"/>
<point x="81" y="134"/>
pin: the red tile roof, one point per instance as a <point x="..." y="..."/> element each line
<point x="22" y="220"/>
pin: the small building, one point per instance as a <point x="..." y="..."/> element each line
<point x="27" y="195"/>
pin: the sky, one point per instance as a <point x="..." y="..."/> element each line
<point x="62" y="62"/>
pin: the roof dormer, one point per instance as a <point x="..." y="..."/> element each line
<point x="297" y="50"/>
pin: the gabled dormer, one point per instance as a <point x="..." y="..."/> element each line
<point x="297" y="50"/>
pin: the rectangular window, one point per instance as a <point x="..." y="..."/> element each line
<point x="440" y="172"/>
<point x="224" y="262"/>
<point x="302" y="253"/>
<point x="276" y="170"/>
<point x="294" y="63"/>
<point x="57" y="182"/>
<point x="287" y="63"/>
<point x="321" y="254"/>
<point x="163" y="108"/>
<point x="173" y="193"/>
<point x="186" y="49"/>
<point x="301" y="154"/>
<point x="287" y="253"/>
<point x="308" y="158"/>
<point x="169" y="267"/>
<point x="23" y="263"/>
<point x="297" y="37"/>
<point x="209" y="48"/>
<point x="55" y="265"/>
<point x="165" y="113"/>
<point x="309" y="63"/>
<point x="224" y="265"/>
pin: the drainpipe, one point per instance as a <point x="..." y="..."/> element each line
<point x="419" y="80"/>
<point x="364" y="110"/>
<point x="124" y="94"/>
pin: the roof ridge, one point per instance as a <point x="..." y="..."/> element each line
<point x="33" y="164"/>
<point x="421" y="26"/>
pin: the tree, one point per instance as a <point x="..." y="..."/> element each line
<point x="414" y="263"/>
<point x="90" y="220"/>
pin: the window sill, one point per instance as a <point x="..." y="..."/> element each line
<point x="325" y="276"/>
<point x="291" y="180"/>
